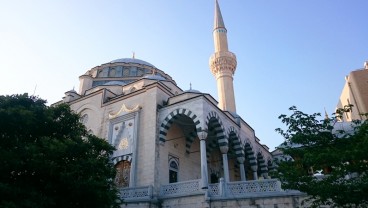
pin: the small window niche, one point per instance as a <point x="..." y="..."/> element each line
<point x="173" y="169"/>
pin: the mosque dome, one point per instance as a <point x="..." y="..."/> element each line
<point x="124" y="71"/>
<point x="192" y="91"/>
<point x="132" y="60"/>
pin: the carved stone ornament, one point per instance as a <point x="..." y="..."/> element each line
<point x="222" y="62"/>
<point x="124" y="109"/>
<point x="124" y="144"/>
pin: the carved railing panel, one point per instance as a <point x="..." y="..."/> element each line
<point x="214" y="189"/>
<point x="180" y="188"/>
<point x="244" y="188"/>
<point x="136" y="193"/>
<point x="261" y="186"/>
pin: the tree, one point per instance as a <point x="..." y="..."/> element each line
<point x="49" y="160"/>
<point x="341" y="153"/>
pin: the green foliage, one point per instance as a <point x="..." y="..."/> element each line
<point x="319" y="145"/>
<point x="49" y="160"/>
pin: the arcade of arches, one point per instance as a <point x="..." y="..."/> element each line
<point x="226" y="156"/>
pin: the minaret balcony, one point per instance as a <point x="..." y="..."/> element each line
<point x="223" y="61"/>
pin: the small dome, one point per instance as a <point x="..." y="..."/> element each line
<point x="192" y="91"/>
<point x="132" y="60"/>
<point x="154" y="77"/>
<point x="71" y="91"/>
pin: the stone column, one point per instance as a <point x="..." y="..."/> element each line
<point x="204" y="175"/>
<point x="225" y="162"/>
<point x="255" y="174"/>
<point x="242" y="171"/>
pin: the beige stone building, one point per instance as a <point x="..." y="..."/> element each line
<point x="355" y="92"/>
<point x="177" y="147"/>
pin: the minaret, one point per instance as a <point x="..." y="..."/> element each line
<point x="223" y="64"/>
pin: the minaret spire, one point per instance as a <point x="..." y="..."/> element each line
<point x="219" y="22"/>
<point x="223" y="64"/>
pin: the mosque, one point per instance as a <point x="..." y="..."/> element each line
<point x="175" y="147"/>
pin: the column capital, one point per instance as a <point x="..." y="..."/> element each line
<point x="241" y="160"/>
<point x="202" y="135"/>
<point x="224" y="149"/>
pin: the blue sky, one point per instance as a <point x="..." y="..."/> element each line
<point x="289" y="52"/>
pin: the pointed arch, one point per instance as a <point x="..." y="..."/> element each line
<point x="250" y="155"/>
<point x="174" y="116"/>
<point x="121" y="158"/>
<point x="234" y="140"/>
<point x="262" y="166"/>
<point x="270" y="165"/>
<point x="214" y="125"/>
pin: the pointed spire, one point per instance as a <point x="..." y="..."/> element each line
<point x="219" y="22"/>
<point x="326" y="115"/>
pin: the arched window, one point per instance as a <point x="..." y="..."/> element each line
<point x="122" y="174"/>
<point x="112" y="72"/>
<point x="133" y="71"/>
<point x="104" y="72"/>
<point x="173" y="171"/>
<point x="126" y="71"/>
<point x="84" y="119"/>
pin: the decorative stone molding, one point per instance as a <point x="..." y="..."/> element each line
<point x="124" y="108"/>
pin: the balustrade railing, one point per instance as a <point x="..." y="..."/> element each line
<point x="180" y="188"/>
<point x="244" y="188"/>
<point x="217" y="190"/>
<point x="259" y="186"/>
<point x="214" y="189"/>
<point x="136" y="193"/>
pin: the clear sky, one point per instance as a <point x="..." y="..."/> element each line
<point x="289" y="52"/>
